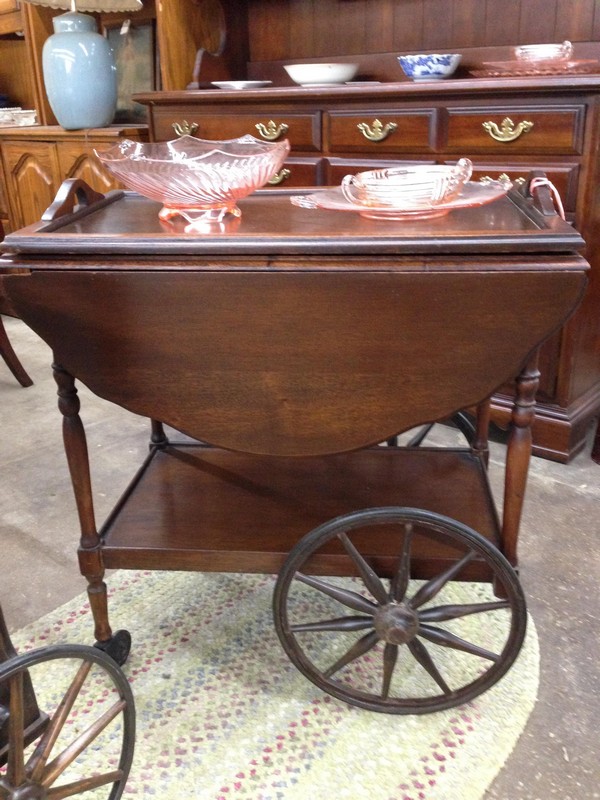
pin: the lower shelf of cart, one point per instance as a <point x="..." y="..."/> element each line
<point x="193" y="507"/>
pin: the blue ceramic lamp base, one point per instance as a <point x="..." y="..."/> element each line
<point x="79" y="73"/>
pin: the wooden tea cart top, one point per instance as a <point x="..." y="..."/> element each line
<point x="294" y="331"/>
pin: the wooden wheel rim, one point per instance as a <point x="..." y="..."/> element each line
<point x="18" y="780"/>
<point x="459" y="534"/>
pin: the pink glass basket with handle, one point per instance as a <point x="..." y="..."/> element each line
<point x="407" y="187"/>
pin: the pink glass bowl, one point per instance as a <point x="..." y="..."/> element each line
<point x="197" y="179"/>
<point x="543" y="52"/>
<point x="409" y="188"/>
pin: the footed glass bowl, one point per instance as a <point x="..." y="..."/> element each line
<point x="198" y="179"/>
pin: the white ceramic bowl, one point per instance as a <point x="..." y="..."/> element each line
<point x="540" y="52"/>
<point x="429" y="66"/>
<point x="316" y="74"/>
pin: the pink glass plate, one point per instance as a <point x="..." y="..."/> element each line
<point x="197" y="179"/>
<point x="472" y="194"/>
<point x="544" y="66"/>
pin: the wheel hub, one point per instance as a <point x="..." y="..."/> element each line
<point x="396" y="623"/>
<point x="27" y="791"/>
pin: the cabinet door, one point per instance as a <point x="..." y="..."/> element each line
<point x="77" y="160"/>
<point x="32" y="179"/>
<point x="10" y="16"/>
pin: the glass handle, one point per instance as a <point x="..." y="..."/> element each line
<point x="185" y="128"/>
<point x="377" y="131"/>
<point x="508" y="131"/>
<point x="271" y="131"/>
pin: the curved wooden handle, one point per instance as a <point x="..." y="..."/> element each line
<point x="72" y="193"/>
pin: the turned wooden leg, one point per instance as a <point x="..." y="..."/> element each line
<point x="90" y="552"/>
<point x="158" y="436"/>
<point x="518" y="456"/>
<point x="482" y="426"/>
<point x="10" y="357"/>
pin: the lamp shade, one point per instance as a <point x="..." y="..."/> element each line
<point x="90" y="5"/>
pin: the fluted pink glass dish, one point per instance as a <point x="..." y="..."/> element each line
<point x="198" y="179"/>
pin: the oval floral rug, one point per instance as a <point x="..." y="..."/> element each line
<point x="223" y="715"/>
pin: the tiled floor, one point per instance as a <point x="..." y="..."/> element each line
<point x="558" y="755"/>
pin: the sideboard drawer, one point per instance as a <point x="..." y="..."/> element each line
<point x="511" y="130"/>
<point x="374" y="132"/>
<point x="303" y="130"/>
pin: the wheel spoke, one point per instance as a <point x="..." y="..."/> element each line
<point x="420" y="436"/>
<point x="338" y="624"/>
<point x="423" y="656"/>
<point x="346" y="597"/>
<point x="447" y="639"/>
<point x="444" y="613"/>
<point x="402" y="576"/>
<point x="40" y="755"/>
<point x="15" y="770"/>
<point x="367" y="573"/>
<point x="84" y="785"/>
<point x="390" y="656"/>
<point x="358" y="649"/>
<point x="70" y="753"/>
<point x="435" y="585"/>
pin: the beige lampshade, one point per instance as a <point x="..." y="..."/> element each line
<point x="90" y="5"/>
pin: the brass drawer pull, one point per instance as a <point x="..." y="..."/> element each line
<point x="502" y="178"/>
<point x="507" y="132"/>
<point x="279" y="177"/>
<point x="185" y="128"/>
<point x="376" y="132"/>
<point x="271" y="131"/>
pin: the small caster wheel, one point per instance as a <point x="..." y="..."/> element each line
<point x="387" y="642"/>
<point x="87" y="737"/>
<point x="117" y="647"/>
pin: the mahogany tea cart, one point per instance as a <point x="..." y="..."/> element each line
<point x="279" y="358"/>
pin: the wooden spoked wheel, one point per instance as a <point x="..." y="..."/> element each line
<point x="390" y="642"/>
<point x="85" y="741"/>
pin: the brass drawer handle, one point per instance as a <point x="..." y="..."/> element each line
<point x="279" y="177"/>
<point x="376" y="132"/>
<point x="502" y="178"/>
<point x="507" y="132"/>
<point x="185" y="128"/>
<point x="271" y="131"/>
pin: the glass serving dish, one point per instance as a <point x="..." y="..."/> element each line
<point x="470" y="195"/>
<point x="198" y="179"/>
<point x="545" y="66"/>
<point x="409" y="188"/>
<point x="540" y="52"/>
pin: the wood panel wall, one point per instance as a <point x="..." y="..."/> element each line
<point x="288" y="29"/>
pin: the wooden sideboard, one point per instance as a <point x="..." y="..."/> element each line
<point x="36" y="160"/>
<point x="345" y="129"/>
